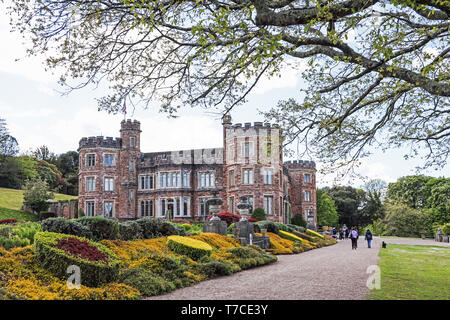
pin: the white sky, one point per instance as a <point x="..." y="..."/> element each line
<point x="37" y="114"/>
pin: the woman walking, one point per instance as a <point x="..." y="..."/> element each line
<point x="369" y="238"/>
<point x="354" y="237"/>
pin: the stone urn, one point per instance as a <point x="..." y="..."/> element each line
<point x="243" y="208"/>
<point x="213" y="204"/>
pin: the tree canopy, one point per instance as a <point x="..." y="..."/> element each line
<point x="377" y="70"/>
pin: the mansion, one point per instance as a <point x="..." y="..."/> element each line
<point x="118" y="180"/>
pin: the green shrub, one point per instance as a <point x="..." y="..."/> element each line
<point x="282" y="226"/>
<point x="296" y="228"/>
<point x="192" y="248"/>
<point x="251" y="256"/>
<point x="130" y="230"/>
<point x="27" y="230"/>
<point x="45" y="215"/>
<point x="305" y="236"/>
<point x="155" y="228"/>
<point x="63" y="225"/>
<point x="13" y="241"/>
<point x="18" y="235"/>
<point x="56" y="261"/>
<point x="81" y="213"/>
<point x="216" y="268"/>
<point x="446" y="229"/>
<point x="101" y="228"/>
<point x="269" y="225"/>
<point x="148" y="283"/>
<point x="259" y="214"/>
<point x="298" y="220"/>
<point x="230" y="228"/>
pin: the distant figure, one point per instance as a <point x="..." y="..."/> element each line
<point x="341" y="234"/>
<point x="369" y="238"/>
<point x="383" y="245"/>
<point x="334" y="233"/>
<point x="354" y="237"/>
<point x="347" y="231"/>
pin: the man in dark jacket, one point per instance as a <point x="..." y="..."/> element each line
<point x="369" y="238"/>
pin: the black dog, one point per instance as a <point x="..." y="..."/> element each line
<point x="383" y="245"/>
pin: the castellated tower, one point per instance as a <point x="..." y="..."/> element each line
<point x="302" y="193"/>
<point x="130" y="132"/>
<point x="253" y="167"/>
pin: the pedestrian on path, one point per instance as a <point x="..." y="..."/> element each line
<point x="346" y="233"/>
<point x="354" y="237"/>
<point x="369" y="238"/>
<point x="341" y="234"/>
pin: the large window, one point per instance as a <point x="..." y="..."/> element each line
<point x="90" y="208"/>
<point x="247" y="149"/>
<point x="109" y="184"/>
<point x="268" y="205"/>
<point x="307" y="178"/>
<point x="231" y="177"/>
<point x="170" y="179"/>
<point x="146" y="208"/>
<point x="90" y="184"/>
<point x="185" y="179"/>
<point x="109" y="160"/>
<point x="186" y="207"/>
<point x="108" y="209"/>
<point x="146" y="182"/>
<point x="247" y="176"/>
<point x="206" y="179"/>
<point x="307" y="195"/>
<point x="132" y="142"/>
<point x="267" y="173"/>
<point x="202" y="210"/>
<point x="131" y="165"/>
<point x="231" y="204"/>
<point x="90" y="160"/>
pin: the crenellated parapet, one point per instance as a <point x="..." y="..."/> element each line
<point x="129" y="124"/>
<point x="300" y="164"/>
<point x="100" y="142"/>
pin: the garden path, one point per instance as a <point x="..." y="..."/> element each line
<point x="336" y="272"/>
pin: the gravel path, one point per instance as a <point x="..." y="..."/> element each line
<point x="336" y="272"/>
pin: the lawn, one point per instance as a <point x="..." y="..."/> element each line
<point x="11" y="202"/>
<point x="13" y="199"/>
<point x="413" y="273"/>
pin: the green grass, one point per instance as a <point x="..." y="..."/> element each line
<point x="13" y="199"/>
<point x="413" y="273"/>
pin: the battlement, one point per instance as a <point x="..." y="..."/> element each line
<point x="100" y="142"/>
<point x="248" y="125"/>
<point x="300" y="164"/>
<point x="130" y="125"/>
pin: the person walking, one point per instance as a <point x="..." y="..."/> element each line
<point x="369" y="238"/>
<point x="341" y="234"/>
<point x="347" y="231"/>
<point x="354" y="237"/>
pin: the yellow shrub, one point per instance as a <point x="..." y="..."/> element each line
<point x="313" y="233"/>
<point x="279" y="245"/>
<point x="194" y="249"/>
<point x="290" y="236"/>
<point x="217" y="241"/>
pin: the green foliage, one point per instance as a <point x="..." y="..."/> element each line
<point x="101" y="228"/>
<point x="446" y="229"/>
<point x="296" y="228"/>
<point x="216" y="268"/>
<point x="66" y="226"/>
<point x="326" y="209"/>
<point x="409" y="190"/>
<point x="147" y="282"/>
<point x="259" y="214"/>
<point x="298" y="220"/>
<point x="404" y="221"/>
<point x="18" y="235"/>
<point x="46" y="214"/>
<point x="21" y="216"/>
<point x="155" y="228"/>
<point x="130" y="230"/>
<point x="251" y="256"/>
<point x="56" y="261"/>
<point x="13" y="241"/>
<point x="36" y="194"/>
<point x="269" y="225"/>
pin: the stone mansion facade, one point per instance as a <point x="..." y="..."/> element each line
<point x="118" y="180"/>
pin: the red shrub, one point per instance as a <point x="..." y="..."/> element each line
<point x="81" y="249"/>
<point x="6" y="221"/>
<point x="228" y="217"/>
<point x="252" y="220"/>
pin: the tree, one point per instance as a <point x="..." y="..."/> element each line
<point x="298" y="220"/>
<point x="8" y="144"/>
<point x="326" y="209"/>
<point x="375" y="193"/>
<point x="350" y="203"/>
<point x="11" y="173"/>
<point x="259" y="214"/>
<point x="437" y="192"/>
<point x="36" y="194"/>
<point x="388" y="86"/>
<point x="43" y="153"/>
<point x="404" y="221"/>
<point x="409" y="190"/>
<point x="67" y="163"/>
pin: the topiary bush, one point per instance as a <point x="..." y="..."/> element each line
<point x="290" y="236"/>
<point x="156" y="228"/>
<point x="298" y="220"/>
<point x="259" y="214"/>
<point x="226" y="216"/>
<point x="194" y="249"/>
<point x="296" y="228"/>
<point x="130" y="230"/>
<point x="101" y="228"/>
<point x="314" y="234"/>
<point x="104" y="268"/>
<point x="148" y="283"/>
<point x="216" y="268"/>
<point x="251" y="256"/>
<point x="63" y="225"/>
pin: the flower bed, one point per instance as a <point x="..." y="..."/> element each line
<point x="194" y="249"/>
<point x="8" y="221"/>
<point x="290" y="236"/>
<point x="314" y="234"/>
<point x="56" y="260"/>
<point x="279" y="245"/>
<point x="81" y="249"/>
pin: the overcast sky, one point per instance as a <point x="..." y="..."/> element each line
<point x="36" y="114"/>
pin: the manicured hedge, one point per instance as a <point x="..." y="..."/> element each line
<point x="155" y="228"/>
<point x="269" y="225"/>
<point x="314" y="234"/>
<point x="194" y="249"/>
<point x="101" y="228"/>
<point x="289" y="236"/>
<point x="130" y="230"/>
<point x="63" y="225"/>
<point x="93" y="273"/>
<point x="304" y="236"/>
